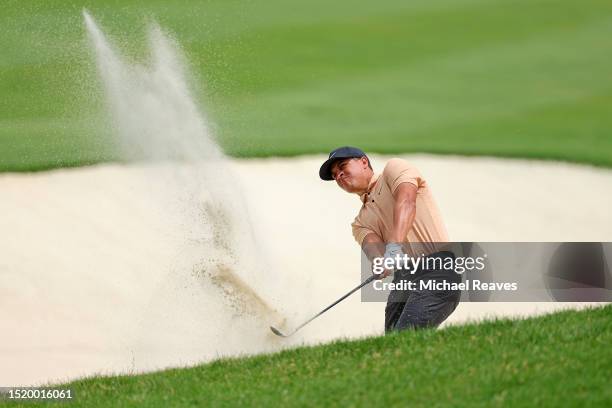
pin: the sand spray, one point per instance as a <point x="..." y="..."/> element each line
<point x="213" y="295"/>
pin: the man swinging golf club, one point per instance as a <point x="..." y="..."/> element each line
<point x="398" y="216"/>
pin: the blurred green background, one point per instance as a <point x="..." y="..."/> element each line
<point x="278" y="77"/>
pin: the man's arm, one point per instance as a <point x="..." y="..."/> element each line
<point x="374" y="247"/>
<point x="404" y="211"/>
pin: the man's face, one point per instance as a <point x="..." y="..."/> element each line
<point x="352" y="175"/>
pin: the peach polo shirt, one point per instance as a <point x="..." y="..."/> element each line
<point x="376" y="214"/>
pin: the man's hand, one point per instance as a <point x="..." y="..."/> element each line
<point x="393" y="250"/>
<point x="384" y="274"/>
<point x="374" y="247"/>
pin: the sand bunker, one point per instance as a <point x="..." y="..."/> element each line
<point x="128" y="268"/>
<point x="104" y="269"/>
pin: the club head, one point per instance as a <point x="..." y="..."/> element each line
<point x="276" y="331"/>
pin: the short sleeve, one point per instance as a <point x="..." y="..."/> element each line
<point x="359" y="231"/>
<point x="398" y="171"/>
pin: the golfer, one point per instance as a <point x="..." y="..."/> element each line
<point x="398" y="216"/>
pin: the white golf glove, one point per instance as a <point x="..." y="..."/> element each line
<point x="392" y="250"/>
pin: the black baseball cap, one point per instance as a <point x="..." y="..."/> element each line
<point x="345" y="152"/>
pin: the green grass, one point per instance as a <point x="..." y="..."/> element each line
<point x="560" y="359"/>
<point x="518" y="78"/>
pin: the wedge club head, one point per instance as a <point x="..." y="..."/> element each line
<point x="277" y="332"/>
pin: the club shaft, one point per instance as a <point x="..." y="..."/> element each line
<point x="361" y="285"/>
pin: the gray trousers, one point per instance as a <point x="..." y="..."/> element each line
<point x="415" y="309"/>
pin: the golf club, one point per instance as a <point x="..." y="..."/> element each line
<point x="279" y="333"/>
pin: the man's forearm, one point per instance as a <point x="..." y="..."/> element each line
<point x="403" y="218"/>
<point x="404" y="212"/>
<point x="373" y="246"/>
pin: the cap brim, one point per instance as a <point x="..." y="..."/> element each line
<point x="325" y="170"/>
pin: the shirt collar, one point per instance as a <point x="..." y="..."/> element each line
<point x="363" y="197"/>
